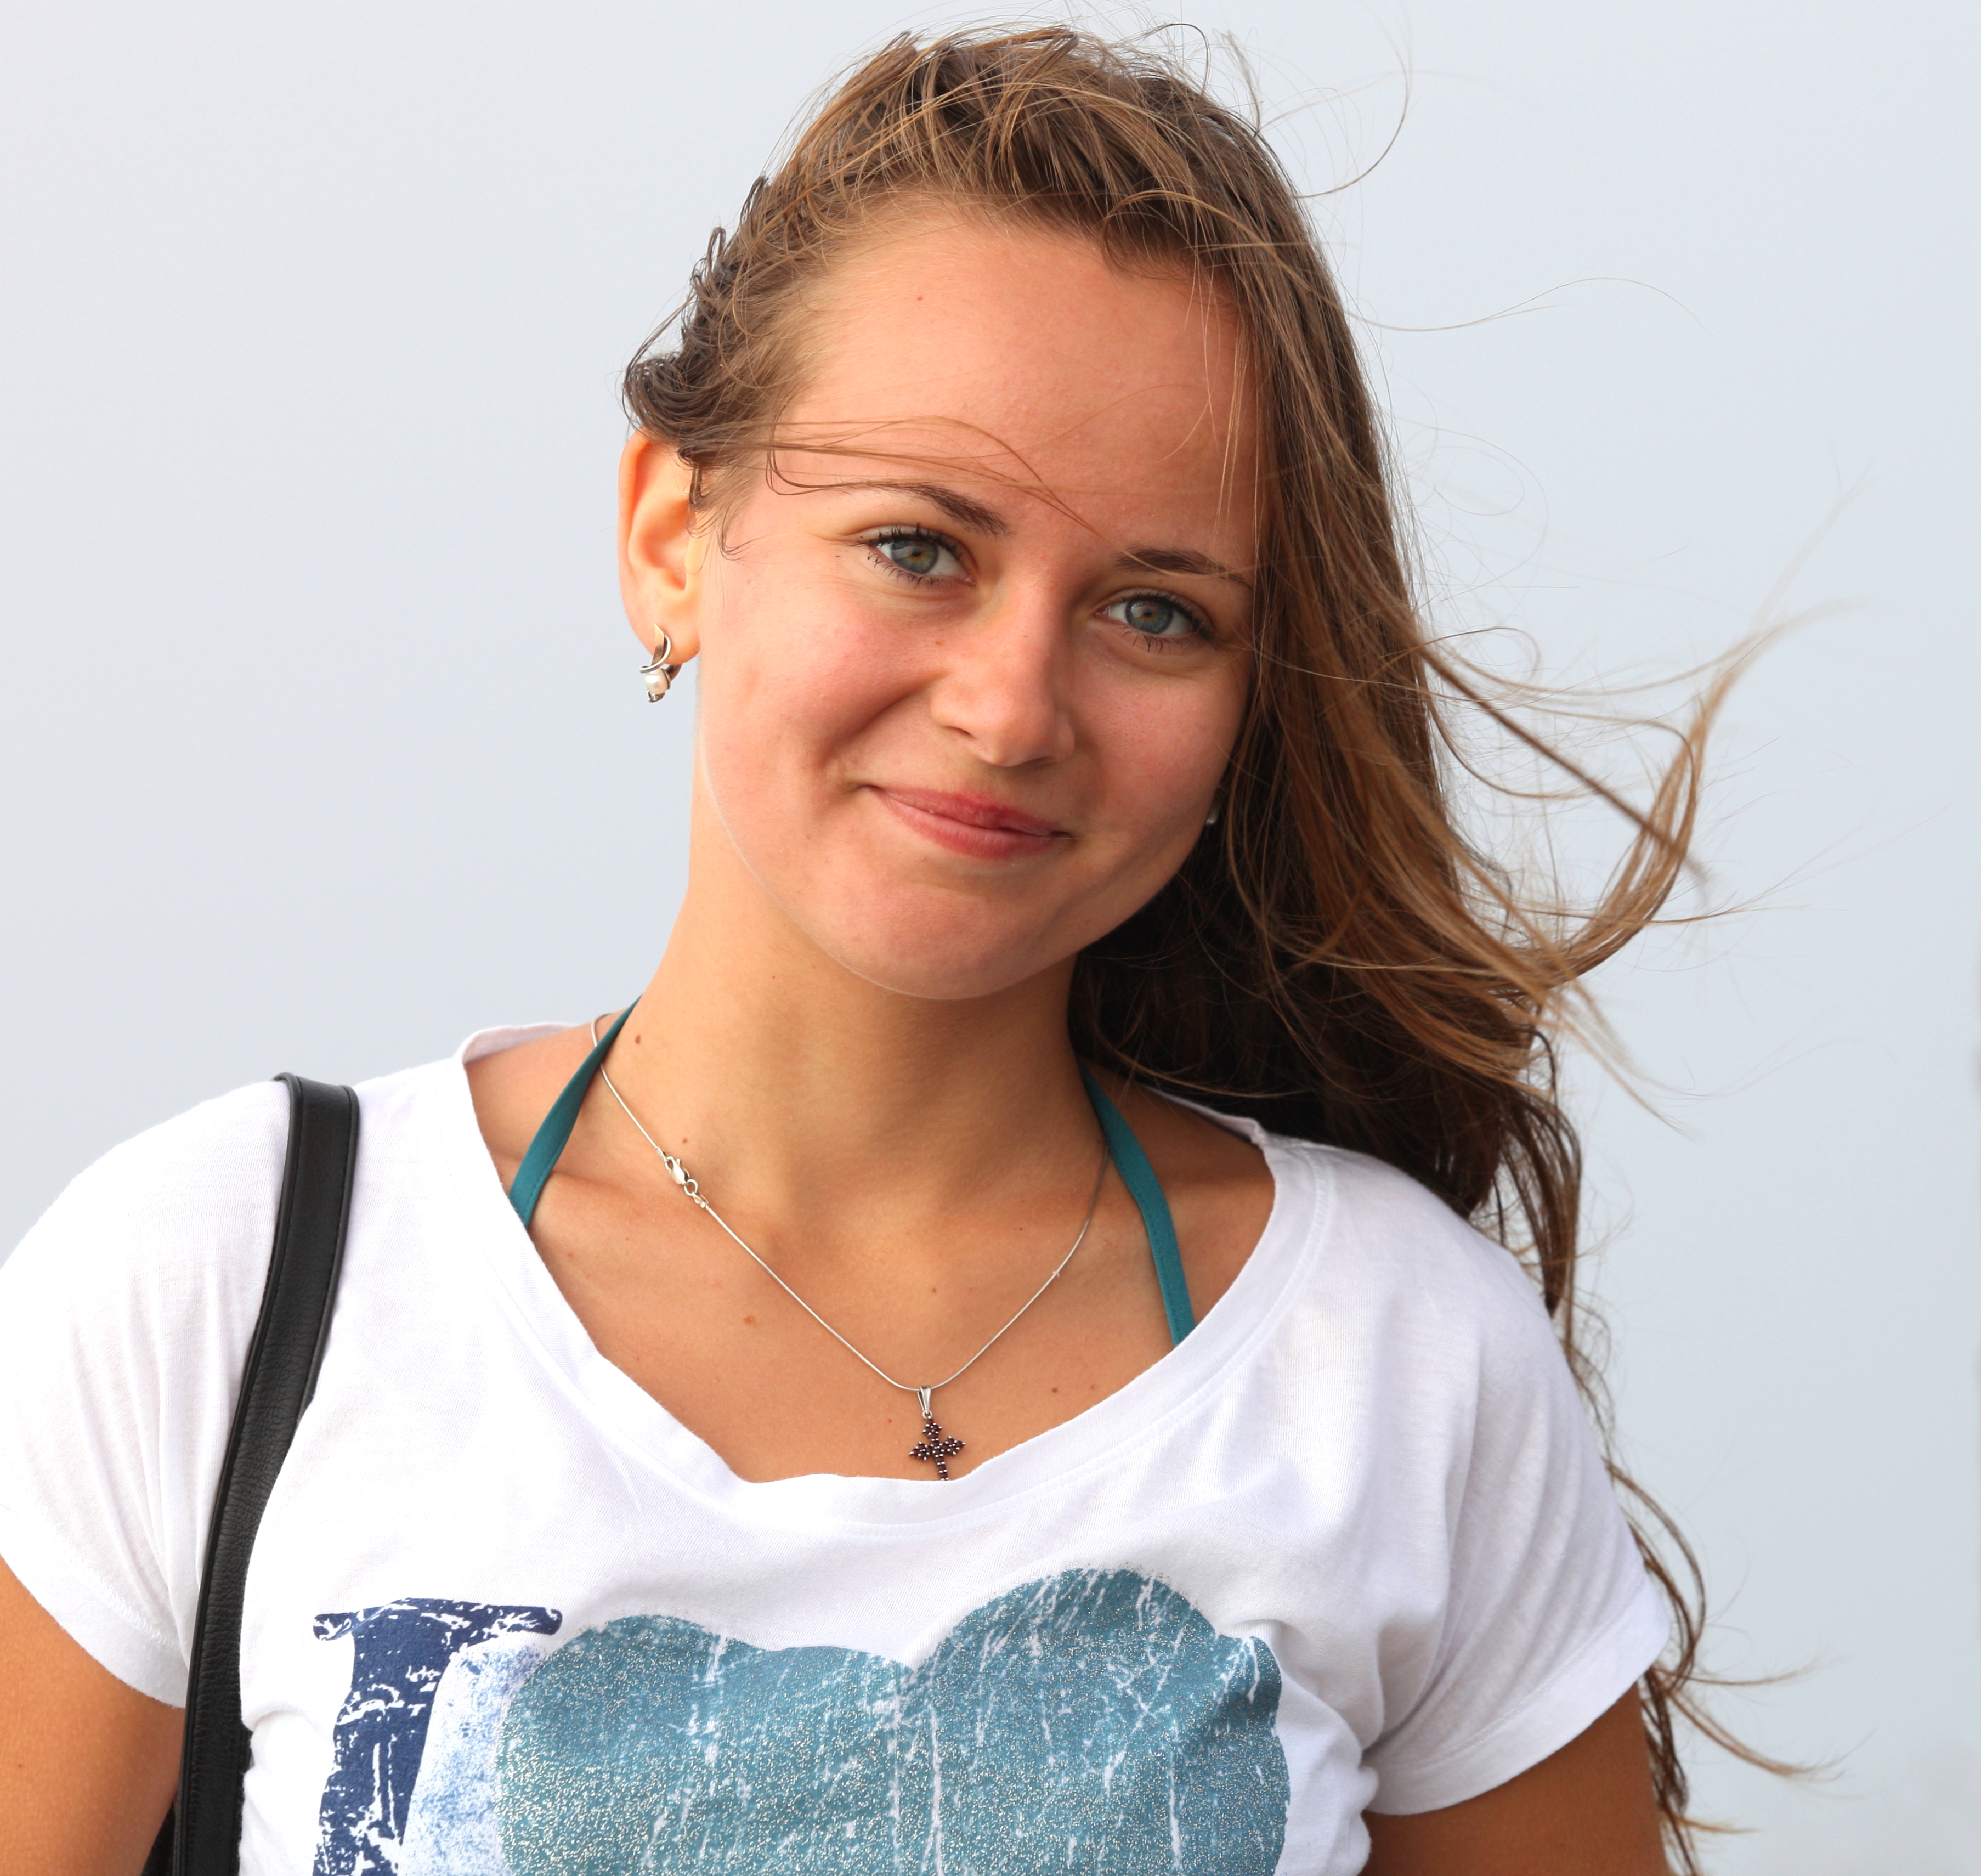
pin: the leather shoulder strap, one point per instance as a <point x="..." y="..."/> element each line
<point x="276" y="1384"/>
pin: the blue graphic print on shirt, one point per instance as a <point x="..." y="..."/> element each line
<point x="401" y="1650"/>
<point x="1093" y="1723"/>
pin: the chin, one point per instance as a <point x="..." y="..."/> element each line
<point x="965" y="980"/>
<point x="946" y="961"/>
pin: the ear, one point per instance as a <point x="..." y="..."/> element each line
<point x="660" y="552"/>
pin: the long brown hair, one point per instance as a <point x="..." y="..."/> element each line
<point x="1337" y="959"/>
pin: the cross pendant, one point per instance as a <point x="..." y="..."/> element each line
<point x="935" y="1447"/>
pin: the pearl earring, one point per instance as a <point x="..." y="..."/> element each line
<point x="659" y="674"/>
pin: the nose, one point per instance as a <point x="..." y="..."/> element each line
<point x="1006" y="681"/>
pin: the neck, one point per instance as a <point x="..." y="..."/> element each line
<point x="793" y="1088"/>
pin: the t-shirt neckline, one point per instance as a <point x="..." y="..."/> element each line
<point x="1234" y="1331"/>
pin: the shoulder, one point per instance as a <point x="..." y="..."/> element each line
<point x="513" y="1078"/>
<point x="1373" y="1246"/>
<point x="161" y="1205"/>
<point x="1387" y="1263"/>
<point x="125" y="1316"/>
<point x="1400" y="1231"/>
<point x="187" y="1208"/>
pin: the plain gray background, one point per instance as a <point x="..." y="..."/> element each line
<point x="323" y="744"/>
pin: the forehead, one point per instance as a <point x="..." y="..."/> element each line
<point x="1011" y="353"/>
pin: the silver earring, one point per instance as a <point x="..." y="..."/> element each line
<point x="659" y="674"/>
<point x="1210" y="819"/>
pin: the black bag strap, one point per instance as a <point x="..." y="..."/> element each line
<point x="202" y="1835"/>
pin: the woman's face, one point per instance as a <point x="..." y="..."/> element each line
<point x="969" y="679"/>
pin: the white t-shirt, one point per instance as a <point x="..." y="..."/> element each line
<point x="1349" y="1545"/>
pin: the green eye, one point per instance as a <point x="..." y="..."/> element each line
<point x="1154" y="616"/>
<point x="920" y="555"/>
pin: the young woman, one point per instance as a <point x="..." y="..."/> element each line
<point x="1021" y="1362"/>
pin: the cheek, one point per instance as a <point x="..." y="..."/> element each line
<point x="793" y="677"/>
<point x="1161" y="765"/>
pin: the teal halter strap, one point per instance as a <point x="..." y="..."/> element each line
<point x="554" y="1134"/>
<point x="1126" y="1151"/>
<point x="1147" y="1191"/>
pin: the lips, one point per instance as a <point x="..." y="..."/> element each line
<point x="973" y="811"/>
<point x="972" y="825"/>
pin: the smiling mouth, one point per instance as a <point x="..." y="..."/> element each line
<point x="971" y="824"/>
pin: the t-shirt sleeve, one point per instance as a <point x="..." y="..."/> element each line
<point x="124" y="1316"/>
<point x="1548" y="1615"/>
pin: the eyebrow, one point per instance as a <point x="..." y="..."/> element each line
<point x="977" y="515"/>
<point x="1179" y="560"/>
<point x="960" y="509"/>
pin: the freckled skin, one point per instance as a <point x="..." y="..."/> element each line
<point x="854" y="1012"/>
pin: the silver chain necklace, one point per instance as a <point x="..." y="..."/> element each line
<point x="935" y="1448"/>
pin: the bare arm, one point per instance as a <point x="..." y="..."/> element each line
<point x="86" y="1765"/>
<point x="1587" y="1810"/>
